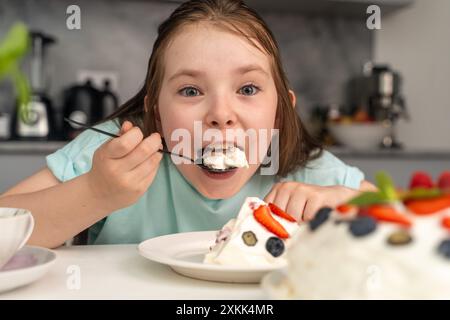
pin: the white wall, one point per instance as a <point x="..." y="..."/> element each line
<point x="416" y="41"/>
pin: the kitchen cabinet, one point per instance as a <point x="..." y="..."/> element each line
<point x="19" y="160"/>
<point x="348" y="8"/>
<point x="15" y="168"/>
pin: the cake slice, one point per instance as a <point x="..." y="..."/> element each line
<point x="389" y="244"/>
<point x="258" y="236"/>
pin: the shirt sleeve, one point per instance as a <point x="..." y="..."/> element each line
<point x="353" y="177"/>
<point x="328" y="170"/>
<point x="75" y="158"/>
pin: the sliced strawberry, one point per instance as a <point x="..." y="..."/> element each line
<point x="344" y="208"/>
<point x="444" y="181"/>
<point x="277" y="211"/>
<point x="387" y="213"/>
<point x="263" y="216"/>
<point x="446" y="222"/>
<point x="421" y="179"/>
<point x="428" y="206"/>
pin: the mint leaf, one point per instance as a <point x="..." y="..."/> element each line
<point x="15" y="44"/>
<point x="386" y="186"/>
<point x="421" y="193"/>
<point x="13" y="48"/>
<point x="368" y="198"/>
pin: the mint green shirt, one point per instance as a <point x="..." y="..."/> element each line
<point x="171" y="204"/>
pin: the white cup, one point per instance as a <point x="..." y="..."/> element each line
<point x="16" y="226"/>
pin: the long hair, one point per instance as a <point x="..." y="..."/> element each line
<point x="296" y="146"/>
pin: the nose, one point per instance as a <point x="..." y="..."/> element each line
<point x="221" y="114"/>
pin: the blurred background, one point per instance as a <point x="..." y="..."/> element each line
<point x="377" y="98"/>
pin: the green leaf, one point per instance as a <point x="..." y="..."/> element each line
<point x="421" y="193"/>
<point x="368" y="198"/>
<point x="23" y="93"/>
<point x="13" y="47"/>
<point x="386" y="194"/>
<point x="386" y="186"/>
<point x="15" y="44"/>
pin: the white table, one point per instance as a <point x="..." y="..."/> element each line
<point x="119" y="272"/>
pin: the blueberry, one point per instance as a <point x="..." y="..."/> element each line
<point x="444" y="248"/>
<point x="249" y="238"/>
<point x="321" y="216"/>
<point x="362" y="226"/>
<point x="275" y="246"/>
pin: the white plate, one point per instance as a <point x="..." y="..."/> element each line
<point x="184" y="253"/>
<point x="26" y="266"/>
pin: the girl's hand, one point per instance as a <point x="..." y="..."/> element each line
<point x="304" y="200"/>
<point x="123" y="168"/>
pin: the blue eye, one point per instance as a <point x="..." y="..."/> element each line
<point x="189" y="92"/>
<point x="249" y="90"/>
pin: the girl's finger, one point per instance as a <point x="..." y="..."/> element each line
<point x="121" y="146"/>
<point x="282" y="197"/>
<point x="126" y="126"/>
<point x="270" y="197"/>
<point x="141" y="172"/>
<point x="143" y="151"/>
<point x="296" y="206"/>
<point x="311" y="208"/>
<point x="151" y="175"/>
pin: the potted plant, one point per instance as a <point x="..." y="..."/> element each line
<point x="13" y="48"/>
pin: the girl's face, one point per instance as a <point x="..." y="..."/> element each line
<point x="220" y="79"/>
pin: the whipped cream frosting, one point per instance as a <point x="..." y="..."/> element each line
<point x="331" y="263"/>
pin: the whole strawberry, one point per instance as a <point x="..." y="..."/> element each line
<point x="421" y="179"/>
<point x="444" y="181"/>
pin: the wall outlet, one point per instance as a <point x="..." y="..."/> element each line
<point x="98" y="78"/>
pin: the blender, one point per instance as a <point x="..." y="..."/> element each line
<point x="386" y="104"/>
<point x="38" y="125"/>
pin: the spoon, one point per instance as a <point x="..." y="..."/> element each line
<point x="201" y="165"/>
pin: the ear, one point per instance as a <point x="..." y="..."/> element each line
<point x="293" y="98"/>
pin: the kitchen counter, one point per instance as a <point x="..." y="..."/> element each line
<point x="119" y="272"/>
<point x="20" y="159"/>
<point x="47" y="147"/>
<point x="407" y="154"/>
<point x="30" y="147"/>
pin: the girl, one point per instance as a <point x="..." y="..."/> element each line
<point x="214" y="61"/>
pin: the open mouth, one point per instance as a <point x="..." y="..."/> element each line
<point x="219" y="174"/>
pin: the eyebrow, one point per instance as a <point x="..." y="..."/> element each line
<point x="197" y="73"/>
<point x="250" y="68"/>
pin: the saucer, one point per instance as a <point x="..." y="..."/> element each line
<point x="26" y="266"/>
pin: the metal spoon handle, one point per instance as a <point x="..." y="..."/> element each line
<point x="176" y="154"/>
<point x="92" y="128"/>
<point x="117" y="136"/>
